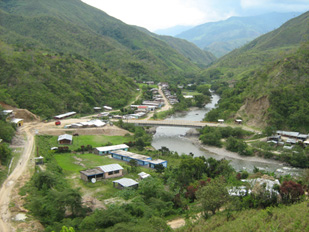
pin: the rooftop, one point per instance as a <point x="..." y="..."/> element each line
<point x="126" y="182"/>
<point x="132" y="155"/>
<point x="65" y="136"/>
<point x="113" y="147"/>
<point x="110" y="167"/>
<point x="16" y="120"/>
<point x="91" y="172"/>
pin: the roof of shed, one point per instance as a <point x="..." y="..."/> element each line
<point x="65" y="136"/>
<point x="126" y="182"/>
<point x="91" y="172"/>
<point x="113" y="147"/>
<point x="110" y="167"/>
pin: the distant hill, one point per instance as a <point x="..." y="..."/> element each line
<point x="267" y="78"/>
<point x="224" y="36"/>
<point x="198" y="56"/>
<point x="73" y="27"/>
<point x="266" y="48"/>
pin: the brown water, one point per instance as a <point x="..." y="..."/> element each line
<point x="174" y="139"/>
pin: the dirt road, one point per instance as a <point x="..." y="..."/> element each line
<point x="8" y="185"/>
<point x="166" y="106"/>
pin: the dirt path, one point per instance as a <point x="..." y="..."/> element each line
<point x="8" y="185"/>
<point x="166" y="106"/>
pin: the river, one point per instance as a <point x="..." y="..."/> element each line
<point x="174" y="139"/>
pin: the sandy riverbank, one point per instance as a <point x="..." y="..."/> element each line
<point x="228" y="154"/>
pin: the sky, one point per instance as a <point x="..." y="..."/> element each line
<point x="161" y="14"/>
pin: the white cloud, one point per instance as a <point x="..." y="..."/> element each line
<point x="160" y="14"/>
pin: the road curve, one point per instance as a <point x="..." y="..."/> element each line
<point x="9" y="183"/>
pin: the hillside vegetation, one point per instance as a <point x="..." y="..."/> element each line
<point x="266" y="81"/>
<point x="224" y="36"/>
<point x="264" y="50"/>
<point x="74" y="27"/>
<point x="47" y="83"/>
<point x="191" y="51"/>
<point x="284" y="218"/>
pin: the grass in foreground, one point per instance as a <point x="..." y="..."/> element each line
<point x="282" y="218"/>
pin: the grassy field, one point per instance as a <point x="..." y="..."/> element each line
<point x="73" y="163"/>
<point x="193" y="93"/>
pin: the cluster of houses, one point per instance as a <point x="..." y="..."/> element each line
<point x="288" y="139"/>
<point x="111" y="171"/>
<point x="119" y="152"/>
<point x="10" y="117"/>
<point x="88" y="124"/>
<point x="172" y="98"/>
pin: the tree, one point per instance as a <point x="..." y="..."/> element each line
<point x="212" y="196"/>
<point x="159" y="168"/>
<point x="291" y="191"/>
<point x="5" y="153"/>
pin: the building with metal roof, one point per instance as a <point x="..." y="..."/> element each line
<point x="125" y="183"/>
<point x="17" y="121"/>
<point x="142" y="160"/>
<point x="62" y="116"/>
<point x="102" y="172"/>
<point x="65" y="139"/>
<point x="110" y="167"/>
<point x="108" y="149"/>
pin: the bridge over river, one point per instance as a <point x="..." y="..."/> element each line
<point x="183" y="123"/>
<point x="177" y="123"/>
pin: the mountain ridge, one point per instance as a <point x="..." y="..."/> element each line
<point x="223" y="36"/>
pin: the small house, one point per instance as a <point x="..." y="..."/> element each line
<point x="97" y="108"/>
<point x="111" y="171"/>
<point x="90" y="174"/>
<point x="65" y="139"/>
<point x="143" y="175"/>
<point x="220" y="120"/>
<point x="125" y="183"/>
<point x="17" y="121"/>
<point x="62" y="116"/>
<point x="108" y="149"/>
<point x="7" y="113"/>
<point x="102" y="172"/>
<point x="238" y="121"/>
<point x="107" y="108"/>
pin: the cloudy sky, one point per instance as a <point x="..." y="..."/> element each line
<point x="162" y="14"/>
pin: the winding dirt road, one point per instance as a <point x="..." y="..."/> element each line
<point x="8" y="185"/>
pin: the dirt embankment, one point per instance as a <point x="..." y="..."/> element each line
<point x="21" y="113"/>
<point x="254" y="111"/>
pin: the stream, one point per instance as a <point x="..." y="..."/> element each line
<point x="174" y="139"/>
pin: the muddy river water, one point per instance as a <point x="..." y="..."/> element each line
<point x="175" y="140"/>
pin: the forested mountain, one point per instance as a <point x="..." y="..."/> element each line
<point x="266" y="82"/>
<point x="224" y="36"/>
<point x="47" y="83"/>
<point x="191" y="51"/>
<point x="73" y="27"/>
<point x="59" y="56"/>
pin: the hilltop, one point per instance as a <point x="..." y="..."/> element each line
<point x="222" y="37"/>
<point x="267" y="79"/>
<point x="76" y="28"/>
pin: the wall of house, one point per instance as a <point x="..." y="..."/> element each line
<point x="108" y="175"/>
<point x="65" y="141"/>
